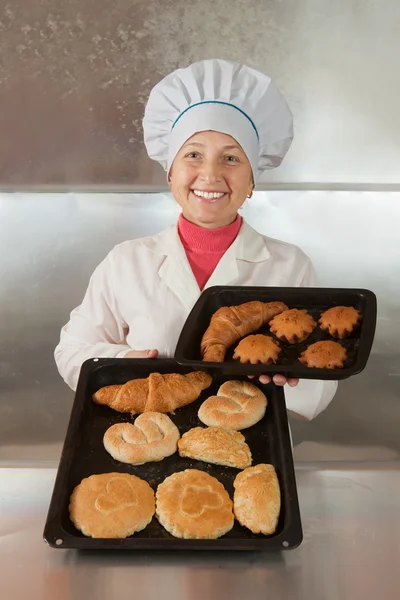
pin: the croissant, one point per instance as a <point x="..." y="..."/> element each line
<point x="156" y="393"/>
<point x="230" y="323"/>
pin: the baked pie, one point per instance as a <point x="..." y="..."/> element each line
<point x="340" y="321"/>
<point x="257" y="349"/>
<point x="324" y="355"/>
<point x="216" y="445"/>
<point x="257" y="498"/>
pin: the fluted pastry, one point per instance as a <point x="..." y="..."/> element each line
<point x="340" y="321"/>
<point x="257" y="349"/>
<point x="293" y="326"/>
<point x="324" y="355"/>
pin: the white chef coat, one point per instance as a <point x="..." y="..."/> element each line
<point x="141" y="294"/>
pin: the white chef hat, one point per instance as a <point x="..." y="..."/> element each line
<point x="223" y="96"/>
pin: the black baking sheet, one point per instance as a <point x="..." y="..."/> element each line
<point x="84" y="455"/>
<point x="314" y="300"/>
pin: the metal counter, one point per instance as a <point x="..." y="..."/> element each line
<point x="351" y="548"/>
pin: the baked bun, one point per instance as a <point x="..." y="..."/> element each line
<point x="340" y="321"/>
<point x="257" y="349"/>
<point x="257" y="499"/>
<point x="192" y="504"/>
<point x="292" y="326"/>
<point x="237" y="405"/>
<point x="324" y="355"/>
<point x="111" y="505"/>
<point x="150" y="439"/>
<point x="216" y="445"/>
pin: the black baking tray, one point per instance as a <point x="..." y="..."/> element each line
<point x="84" y="455"/>
<point x="315" y="300"/>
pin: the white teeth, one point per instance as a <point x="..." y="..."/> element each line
<point x="208" y="195"/>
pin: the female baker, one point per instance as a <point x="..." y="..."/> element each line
<point x="214" y="126"/>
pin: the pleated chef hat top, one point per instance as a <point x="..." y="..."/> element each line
<point x="223" y="96"/>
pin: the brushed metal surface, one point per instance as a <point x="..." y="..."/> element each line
<point x="75" y="76"/>
<point x="50" y="244"/>
<point x="350" y="549"/>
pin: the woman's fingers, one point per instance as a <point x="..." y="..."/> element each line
<point x="141" y="354"/>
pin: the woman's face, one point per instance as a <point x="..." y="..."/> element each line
<point x="210" y="179"/>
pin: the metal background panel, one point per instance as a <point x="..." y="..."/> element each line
<point x="75" y="76"/>
<point x="51" y="243"/>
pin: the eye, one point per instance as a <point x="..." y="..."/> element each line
<point x="192" y="155"/>
<point x="231" y="158"/>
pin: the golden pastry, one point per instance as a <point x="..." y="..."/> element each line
<point x="257" y="499"/>
<point x="216" y="445"/>
<point x="156" y="393"/>
<point x="230" y="323"/>
<point x="257" y="349"/>
<point x="150" y="439"/>
<point x="324" y="355"/>
<point x="192" y="504"/>
<point x="340" y="321"/>
<point x="111" y="505"/>
<point x="237" y="405"/>
<point x="293" y="326"/>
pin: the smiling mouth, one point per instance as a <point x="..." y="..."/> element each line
<point x="208" y="197"/>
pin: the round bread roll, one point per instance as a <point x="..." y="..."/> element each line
<point x="257" y="499"/>
<point x="111" y="505"/>
<point x="194" y="505"/>
<point x="237" y="405"/>
<point x="150" y="439"/>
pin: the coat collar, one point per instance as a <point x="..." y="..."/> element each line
<point x="175" y="270"/>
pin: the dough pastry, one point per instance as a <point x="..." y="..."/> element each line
<point x="293" y="326"/>
<point x="257" y="349"/>
<point x="257" y="499"/>
<point x="111" y="505"/>
<point x="216" y="445"/>
<point x="237" y="405"/>
<point x="192" y="504"/>
<point x="156" y="393"/>
<point x="324" y="355"/>
<point x="150" y="439"/>
<point x="340" y="321"/>
<point x="230" y="323"/>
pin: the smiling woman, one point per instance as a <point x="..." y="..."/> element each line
<point x="214" y="126"/>
<point x="210" y="179"/>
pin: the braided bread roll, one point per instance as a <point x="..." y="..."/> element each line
<point x="230" y="323"/>
<point x="237" y="405"/>
<point x="156" y="393"/>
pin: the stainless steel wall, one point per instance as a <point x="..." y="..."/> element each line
<point x="74" y="78"/>
<point x="50" y="244"/>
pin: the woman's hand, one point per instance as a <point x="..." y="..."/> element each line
<point x="278" y="380"/>
<point x="141" y="354"/>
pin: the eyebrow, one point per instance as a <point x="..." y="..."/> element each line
<point x="200" y="145"/>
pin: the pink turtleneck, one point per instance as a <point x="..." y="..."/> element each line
<point x="205" y="247"/>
